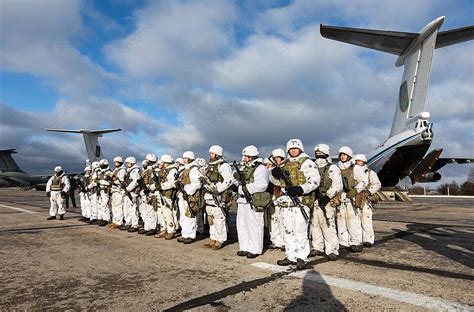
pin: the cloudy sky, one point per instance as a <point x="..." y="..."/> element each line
<point x="183" y="75"/>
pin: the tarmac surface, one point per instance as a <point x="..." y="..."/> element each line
<point x="423" y="259"/>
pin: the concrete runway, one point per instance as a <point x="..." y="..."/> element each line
<point x="423" y="259"/>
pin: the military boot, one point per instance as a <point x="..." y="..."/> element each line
<point x="217" y="245"/>
<point x="133" y="229"/>
<point x="51" y="218"/>
<point x="285" y="262"/>
<point x="300" y="264"/>
<point x="356" y="248"/>
<point x="252" y="255"/>
<point x="142" y="231"/>
<point x="314" y="253"/>
<point x="180" y="239"/>
<point x="124" y="227"/>
<point x="170" y="236"/>
<point x="368" y="245"/>
<point x="242" y="253"/>
<point x="332" y="257"/>
<point x="103" y="223"/>
<point x="61" y="217"/>
<point x="189" y="240"/>
<point x="161" y="234"/>
<point x="150" y="233"/>
<point x="209" y="244"/>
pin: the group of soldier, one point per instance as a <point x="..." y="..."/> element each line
<point x="310" y="206"/>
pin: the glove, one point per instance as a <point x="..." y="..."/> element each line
<point x="234" y="188"/>
<point x="63" y="194"/>
<point x="323" y="201"/>
<point x="351" y="193"/>
<point x="146" y="191"/>
<point x="237" y="176"/>
<point x="295" y="191"/>
<point x="48" y="194"/>
<point x="277" y="173"/>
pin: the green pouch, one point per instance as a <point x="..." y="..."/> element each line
<point x="261" y="200"/>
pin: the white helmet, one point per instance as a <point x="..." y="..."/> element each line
<point x="95" y="165"/>
<point x="188" y="154"/>
<point x="179" y="160"/>
<point x="131" y="160"/>
<point x="216" y="149"/>
<point x="267" y="161"/>
<point x="346" y="150"/>
<point x="118" y="159"/>
<point x="250" y="151"/>
<point x="278" y="153"/>
<point x="144" y="163"/>
<point x="323" y="148"/>
<point x="151" y="157"/>
<point x="360" y="157"/>
<point x="87" y="168"/>
<point x="58" y="169"/>
<point x="294" y="143"/>
<point x="104" y="162"/>
<point x="201" y="162"/>
<point x="167" y="159"/>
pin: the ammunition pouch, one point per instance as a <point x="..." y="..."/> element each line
<point x="154" y="202"/>
<point x="210" y="220"/>
<point x="196" y="201"/>
<point x="336" y="200"/>
<point x="360" y="199"/>
<point x="262" y="201"/>
<point x="308" y="200"/>
<point x="170" y="194"/>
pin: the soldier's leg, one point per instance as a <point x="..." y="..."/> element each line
<point x="53" y="208"/>
<point x="342" y="231"/>
<point x="368" y="236"/>
<point x="187" y="221"/>
<point x="61" y="207"/>
<point x="353" y="225"/>
<point x="276" y="227"/>
<point x="169" y="217"/>
<point x="288" y="220"/>
<point x="150" y="218"/>
<point x="328" y="227"/>
<point x="105" y="207"/>
<point x="255" y="229"/>
<point x="241" y="221"/>
<point x="117" y="208"/>
<point x="93" y="207"/>
<point x="219" y="232"/>
<point x="301" y="234"/>
<point x="317" y="239"/>
<point x="134" y="213"/>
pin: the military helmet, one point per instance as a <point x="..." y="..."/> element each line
<point x="167" y="159"/>
<point x="250" y="151"/>
<point x="360" y="157"/>
<point x="278" y="153"/>
<point x="58" y="169"/>
<point x="216" y="149"/>
<point x="118" y="159"/>
<point x="295" y="143"/>
<point x="189" y="155"/>
<point x="346" y="150"/>
<point x="323" y="148"/>
<point x="131" y="160"/>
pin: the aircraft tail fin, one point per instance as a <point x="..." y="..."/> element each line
<point x="7" y="163"/>
<point x="415" y="53"/>
<point x="91" y="140"/>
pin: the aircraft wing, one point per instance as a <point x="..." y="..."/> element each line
<point x="394" y="42"/>
<point x="440" y="163"/>
<point x="15" y="181"/>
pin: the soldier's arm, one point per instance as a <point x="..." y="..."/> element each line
<point x="311" y="173"/>
<point x="67" y="184"/>
<point x="336" y="178"/>
<point x="194" y="176"/>
<point x="226" y="171"/>
<point x="48" y="185"/>
<point x="260" y="182"/>
<point x="361" y="178"/>
<point x="135" y="177"/>
<point x="375" y="184"/>
<point x="170" y="183"/>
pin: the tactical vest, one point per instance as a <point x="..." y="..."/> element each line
<point x="115" y="174"/>
<point x="147" y="176"/>
<point x="297" y="178"/>
<point x="326" y="180"/>
<point x="260" y="200"/>
<point x="213" y="173"/>
<point x="57" y="183"/>
<point x="163" y="174"/>
<point x="184" y="177"/>
<point x="128" y="180"/>
<point x="348" y="180"/>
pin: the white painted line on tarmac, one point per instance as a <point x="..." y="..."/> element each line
<point x="389" y="293"/>
<point x="18" y="209"/>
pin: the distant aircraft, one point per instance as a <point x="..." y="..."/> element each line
<point x="91" y="139"/>
<point x="403" y="153"/>
<point x="11" y="172"/>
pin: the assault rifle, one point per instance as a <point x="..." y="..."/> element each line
<point x="212" y="190"/>
<point x="242" y="182"/>
<point x="295" y="199"/>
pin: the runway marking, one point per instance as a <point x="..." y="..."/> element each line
<point x="18" y="209"/>
<point x="389" y="293"/>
